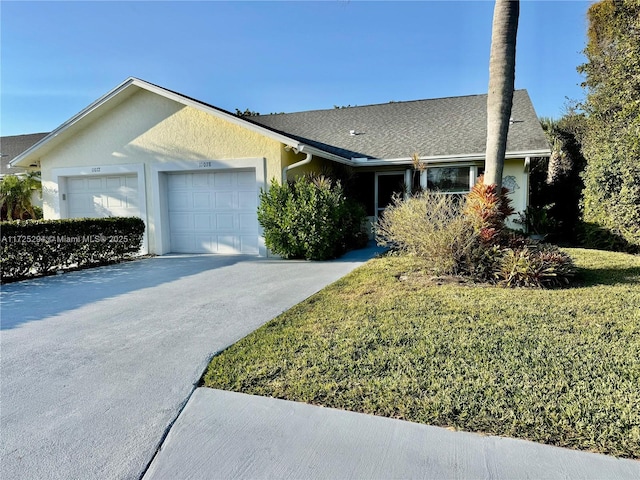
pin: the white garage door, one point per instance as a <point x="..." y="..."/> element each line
<point x="103" y="196"/>
<point x="213" y="212"/>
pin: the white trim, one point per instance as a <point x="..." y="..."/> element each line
<point x="159" y="189"/>
<point x="375" y="187"/>
<point x="59" y="179"/>
<point x="526" y="181"/>
<point x="473" y="175"/>
<point x="423" y="179"/>
<point x="408" y="183"/>
<point x="447" y="158"/>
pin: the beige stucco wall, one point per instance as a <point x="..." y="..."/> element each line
<point x="516" y="168"/>
<point x="149" y="129"/>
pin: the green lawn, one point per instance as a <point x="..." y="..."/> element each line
<point x="555" y="366"/>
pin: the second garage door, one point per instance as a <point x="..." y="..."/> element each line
<point x="213" y="212"/>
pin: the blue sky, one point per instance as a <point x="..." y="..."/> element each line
<point x="58" y="57"/>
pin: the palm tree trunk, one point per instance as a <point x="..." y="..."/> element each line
<point x="502" y="68"/>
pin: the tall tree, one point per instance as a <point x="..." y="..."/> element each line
<point x="556" y="185"/>
<point x="611" y="143"/>
<point x="502" y="69"/>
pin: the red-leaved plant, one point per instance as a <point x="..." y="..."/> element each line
<point x="487" y="210"/>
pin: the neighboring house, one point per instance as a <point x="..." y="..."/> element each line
<point x="11" y="147"/>
<point x="193" y="172"/>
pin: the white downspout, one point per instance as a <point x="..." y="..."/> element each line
<point x="285" y="170"/>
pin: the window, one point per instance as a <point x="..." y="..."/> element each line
<point x="448" y="179"/>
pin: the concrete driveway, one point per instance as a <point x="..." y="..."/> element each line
<point x="97" y="364"/>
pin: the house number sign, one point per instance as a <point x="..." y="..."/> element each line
<point x="205" y="164"/>
<point x="95" y="169"/>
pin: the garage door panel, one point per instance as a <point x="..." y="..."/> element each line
<point x="246" y="178"/>
<point x="223" y="200"/>
<point x="248" y="245"/>
<point x="201" y="201"/>
<point x="132" y="182"/>
<point x="223" y="179"/>
<point x="80" y="203"/>
<point x="203" y="222"/>
<point x="112" y="202"/>
<point x="247" y="200"/>
<point x="75" y="184"/>
<point x="183" y="243"/>
<point x="226" y="244"/>
<point x="217" y="210"/>
<point x="115" y="182"/>
<point x="247" y="224"/>
<point x="224" y="221"/>
<point x="102" y="196"/>
<point x="180" y="201"/>
<point x="200" y="181"/>
<point x="177" y="181"/>
<point x="181" y="222"/>
<point x="95" y="183"/>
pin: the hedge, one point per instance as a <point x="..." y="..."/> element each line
<point x="34" y="248"/>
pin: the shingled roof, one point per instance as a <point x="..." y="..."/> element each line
<point x="440" y="129"/>
<point x="14" y="145"/>
<point x="447" y="127"/>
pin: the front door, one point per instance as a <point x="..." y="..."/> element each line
<point x="388" y="184"/>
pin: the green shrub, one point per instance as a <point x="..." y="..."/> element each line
<point x="310" y="218"/>
<point x="541" y="266"/>
<point x="39" y="247"/>
<point x="429" y="225"/>
<point x="481" y="261"/>
<point x="537" y="221"/>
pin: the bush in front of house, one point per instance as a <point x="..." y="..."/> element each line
<point x="469" y="238"/>
<point x="40" y="247"/>
<point x="310" y="218"/>
<point x="429" y="225"/>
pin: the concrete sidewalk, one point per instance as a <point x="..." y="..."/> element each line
<point x="232" y="435"/>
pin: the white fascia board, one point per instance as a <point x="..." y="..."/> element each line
<point x="449" y="158"/>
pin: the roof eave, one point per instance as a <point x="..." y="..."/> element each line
<point x="450" y="158"/>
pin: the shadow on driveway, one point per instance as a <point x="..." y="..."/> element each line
<point x="44" y="297"/>
<point x="39" y="298"/>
